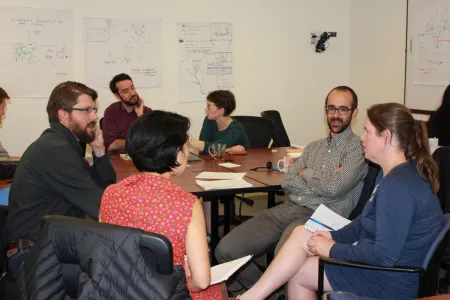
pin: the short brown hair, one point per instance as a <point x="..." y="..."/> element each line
<point x="64" y="96"/>
<point x="3" y="95"/>
<point x="411" y="135"/>
<point x="223" y="99"/>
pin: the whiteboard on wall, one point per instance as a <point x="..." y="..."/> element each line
<point x="205" y="59"/>
<point x="427" y="53"/>
<point x="36" y="50"/>
<point x="121" y="45"/>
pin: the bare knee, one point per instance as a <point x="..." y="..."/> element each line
<point x="301" y="235"/>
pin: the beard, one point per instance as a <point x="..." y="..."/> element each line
<point x="83" y="133"/>
<point x="132" y="101"/>
<point x="337" y="125"/>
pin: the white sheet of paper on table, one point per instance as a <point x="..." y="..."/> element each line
<point x="229" y="165"/>
<point x="208" y="185"/>
<point x="220" y="175"/>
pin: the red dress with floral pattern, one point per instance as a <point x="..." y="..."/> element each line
<point x="154" y="204"/>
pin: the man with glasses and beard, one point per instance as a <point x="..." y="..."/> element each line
<point x="53" y="178"/>
<point x="330" y="171"/>
<point x="119" y="116"/>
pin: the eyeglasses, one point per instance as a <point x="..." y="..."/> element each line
<point x="87" y="109"/>
<point x="341" y="109"/>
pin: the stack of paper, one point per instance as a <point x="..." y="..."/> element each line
<point x="223" y="271"/>
<point x="220" y="175"/>
<point x="223" y="184"/>
<point x="325" y="219"/>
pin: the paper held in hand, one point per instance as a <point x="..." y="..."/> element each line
<point x="325" y="219"/>
<point x="223" y="271"/>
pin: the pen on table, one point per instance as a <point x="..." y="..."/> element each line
<point x="197" y="170"/>
<point x="321" y="224"/>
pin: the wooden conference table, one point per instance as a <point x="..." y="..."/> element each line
<point x="263" y="180"/>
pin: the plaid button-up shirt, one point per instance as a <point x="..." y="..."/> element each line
<point x="340" y="191"/>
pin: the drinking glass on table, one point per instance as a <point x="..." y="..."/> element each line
<point x="217" y="151"/>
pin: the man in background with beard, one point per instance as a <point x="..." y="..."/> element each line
<point x="330" y="171"/>
<point x="53" y="178"/>
<point x="119" y="116"/>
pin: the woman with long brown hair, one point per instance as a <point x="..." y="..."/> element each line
<point x="396" y="227"/>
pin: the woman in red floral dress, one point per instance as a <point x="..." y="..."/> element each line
<point x="158" y="144"/>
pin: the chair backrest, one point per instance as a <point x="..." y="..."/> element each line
<point x="77" y="242"/>
<point x="259" y="130"/>
<point x="442" y="158"/>
<point x="369" y="184"/>
<point x="280" y="136"/>
<point x="157" y="252"/>
<point x="437" y="241"/>
<point x="433" y="260"/>
<point x="2" y="241"/>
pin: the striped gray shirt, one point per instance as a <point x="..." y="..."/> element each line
<point x="340" y="192"/>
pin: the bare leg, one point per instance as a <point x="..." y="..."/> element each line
<point x="285" y="265"/>
<point x="303" y="285"/>
<point x="207" y="212"/>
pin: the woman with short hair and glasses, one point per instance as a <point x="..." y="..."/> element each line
<point x="219" y="126"/>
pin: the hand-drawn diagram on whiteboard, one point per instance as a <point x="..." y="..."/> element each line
<point x="433" y="45"/>
<point x="35" y="50"/>
<point x="132" y="46"/>
<point x="206" y="59"/>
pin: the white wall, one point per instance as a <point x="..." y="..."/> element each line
<point x="378" y="39"/>
<point x="275" y="66"/>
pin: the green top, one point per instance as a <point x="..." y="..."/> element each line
<point x="233" y="135"/>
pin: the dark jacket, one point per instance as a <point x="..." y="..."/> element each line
<point x="53" y="178"/>
<point x="100" y="261"/>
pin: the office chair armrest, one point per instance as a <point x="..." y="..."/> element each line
<point x="332" y="261"/>
<point x="352" y="264"/>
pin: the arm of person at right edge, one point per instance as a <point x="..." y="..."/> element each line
<point x="349" y="233"/>
<point x="197" y="251"/>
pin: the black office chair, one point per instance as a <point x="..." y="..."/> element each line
<point x="280" y="136"/>
<point x="3" y="215"/>
<point x="100" y="123"/>
<point x="442" y="158"/>
<point x="259" y="132"/>
<point x="428" y="271"/>
<point x="70" y="250"/>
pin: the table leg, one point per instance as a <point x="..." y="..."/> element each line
<point x="270" y="199"/>
<point x="214" y="227"/>
<point x="227" y="213"/>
